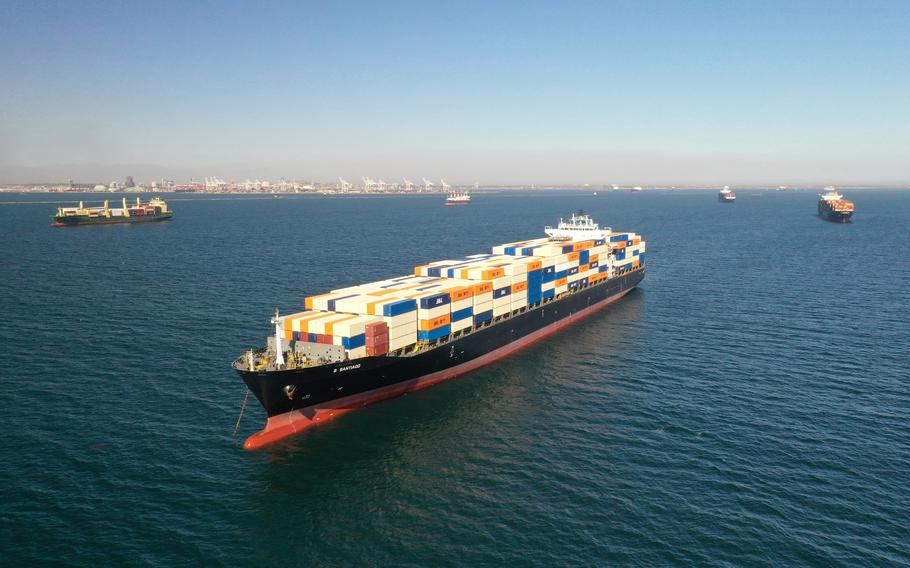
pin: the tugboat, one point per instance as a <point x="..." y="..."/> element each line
<point x="154" y="210"/>
<point x="726" y="195"/>
<point x="458" y="198"/>
<point x="833" y="207"/>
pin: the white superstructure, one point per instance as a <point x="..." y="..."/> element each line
<point x="578" y="227"/>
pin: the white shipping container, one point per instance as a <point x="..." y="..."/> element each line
<point x="357" y="353"/>
<point x="561" y="289"/>
<point x="409" y="329"/>
<point x="462" y="324"/>
<point x="548" y="286"/>
<point x="403" y="341"/>
<point x="408" y="318"/>
<point x="483" y="298"/>
<point x="433" y="313"/>
<point x="502" y="282"/>
<point x="502" y="310"/>
<point x="461" y="304"/>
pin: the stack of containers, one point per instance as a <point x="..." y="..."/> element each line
<point x="377" y="338"/>
<point x="434" y="319"/>
<point x="502" y="296"/>
<point x="483" y="302"/>
<point x="398" y="313"/>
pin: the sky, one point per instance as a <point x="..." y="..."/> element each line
<point x="637" y="92"/>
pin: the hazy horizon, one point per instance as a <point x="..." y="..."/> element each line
<point x="661" y="93"/>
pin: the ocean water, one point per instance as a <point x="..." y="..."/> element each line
<point x="747" y="406"/>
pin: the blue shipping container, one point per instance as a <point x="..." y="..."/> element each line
<point x="573" y="285"/>
<point x="483" y="316"/>
<point x="504" y="291"/>
<point x="548" y="270"/>
<point x="603" y="269"/>
<point x="462" y="314"/>
<point x="354" y="342"/>
<point x="573" y="270"/>
<point x="435" y="300"/>
<point x="562" y="274"/>
<point x="641" y="258"/>
<point x="549" y="277"/>
<point x="399" y="307"/>
<point x="311" y="337"/>
<point x="584" y="256"/>
<point x="549" y="294"/>
<point x="594" y="264"/>
<point x="434" y="334"/>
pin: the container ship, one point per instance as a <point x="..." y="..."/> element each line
<point x="833" y="207"/>
<point x="354" y="346"/>
<point x="726" y="195"/>
<point x="154" y="210"/>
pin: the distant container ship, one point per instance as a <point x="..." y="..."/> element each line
<point x="358" y="345"/>
<point x="458" y="198"/>
<point x="726" y="195"/>
<point x="833" y="207"/>
<point x="154" y="210"/>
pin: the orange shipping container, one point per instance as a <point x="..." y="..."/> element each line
<point x="427" y="325"/>
<point x="594" y="258"/>
<point x="483" y="288"/>
<point x="572" y="257"/>
<point x="536" y="265"/>
<point x="562" y="281"/>
<point x="460" y="293"/>
<point x="519" y="286"/>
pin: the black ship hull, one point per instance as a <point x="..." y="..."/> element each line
<point x="299" y="398"/>
<point x="79" y="220"/>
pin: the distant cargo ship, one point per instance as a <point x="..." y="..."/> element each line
<point x="154" y="210"/>
<point x="458" y="198"/>
<point x="358" y="345"/>
<point x="833" y="207"/>
<point x="636" y="189"/>
<point x="726" y="195"/>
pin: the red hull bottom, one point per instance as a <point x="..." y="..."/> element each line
<point x="456" y="204"/>
<point x="290" y="423"/>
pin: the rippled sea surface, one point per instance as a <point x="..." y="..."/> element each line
<point x="747" y="406"/>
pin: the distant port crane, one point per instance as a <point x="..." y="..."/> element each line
<point x="427" y="184"/>
<point x="408" y="184"/>
<point x="344" y="185"/>
<point x="445" y="186"/>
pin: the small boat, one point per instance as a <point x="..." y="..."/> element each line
<point x="726" y="195"/>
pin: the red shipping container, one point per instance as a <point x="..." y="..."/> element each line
<point x="377" y="339"/>
<point x="378" y="350"/>
<point x="376" y="328"/>
<point x="323" y="338"/>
